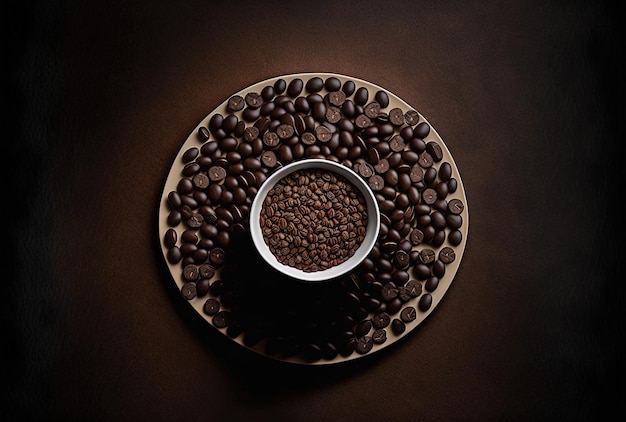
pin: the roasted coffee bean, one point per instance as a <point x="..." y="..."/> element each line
<point x="425" y="302"/>
<point x="190" y="154"/>
<point x="348" y="87"/>
<point x="376" y="182"/>
<point x="203" y="133"/>
<point x="455" y="237"/>
<point x="411" y="117"/>
<point x="381" y="320"/>
<point x="216" y="173"/>
<point x="389" y="291"/>
<point x="431" y="284"/>
<point x="372" y="110"/>
<point x="361" y="96"/>
<point x="396" y="116"/>
<point x="188" y="290"/>
<point x="429" y="196"/>
<point x="408" y="314"/>
<point x="425" y="160"/>
<point x="211" y="306"/>
<point x="421" y="271"/>
<point x="382" y="98"/>
<point x="455" y="206"/>
<point x="323" y="134"/>
<point x="170" y="237"/>
<point x="413" y="288"/>
<point x="445" y="171"/>
<point x="435" y="151"/>
<point x="364" y="344"/>
<point x="202" y="287"/>
<point x="253" y="99"/>
<point x="363" y="328"/>
<point x="379" y="336"/>
<point x="279" y="86"/>
<point x="398" y="326"/>
<point x="314" y="84"/>
<point x="452" y="185"/>
<point x="422" y="130"/>
<point x="401" y="259"/>
<point x="447" y="255"/>
<point x="222" y="319"/>
<point x="439" y="268"/>
<point x="271" y="139"/>
<point x="337" y="98"/>
<point x="295" y="87"/>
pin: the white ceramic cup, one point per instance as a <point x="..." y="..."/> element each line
<point x="372" y="228"/>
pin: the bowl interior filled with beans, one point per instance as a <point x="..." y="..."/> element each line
<point x="314" y="220"/>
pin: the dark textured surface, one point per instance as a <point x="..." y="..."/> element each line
<point x="529" y="98"/>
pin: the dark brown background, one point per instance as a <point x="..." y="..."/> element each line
<point x="528" y="96"/>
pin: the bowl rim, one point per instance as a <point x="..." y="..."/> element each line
<point x="363" y="251"/>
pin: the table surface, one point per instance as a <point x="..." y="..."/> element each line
<point x="529" y="98"/>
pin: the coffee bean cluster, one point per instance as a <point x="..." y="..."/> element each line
<point x="313" y="219"/>
<point x="255" y="134"/>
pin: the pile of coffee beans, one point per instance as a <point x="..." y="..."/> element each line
<point x="313" y="219"/>
<point x="207" y="240"/>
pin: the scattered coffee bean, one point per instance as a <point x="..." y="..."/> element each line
<point x="425" y="302"/>
<point x="379" y="336"/>
<point x="211" y="306"/>
<point x="408" y="314"/>
<point x="188" y="290"/>
<point x="398" y="326"/>
<point x="364" y="344"/>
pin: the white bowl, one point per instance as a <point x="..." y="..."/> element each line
<point x="372" y="228"/>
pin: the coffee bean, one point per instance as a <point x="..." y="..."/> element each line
<point x="408" y="314"/>
<point x="363" y="328"/>
<point x="188" y="290"/>
<point x="381" y="320"/>
<point x="447" y="255"/>
<point x="425" y="160"/>
<point x="235" y="103"/>
<point x="222" y="319"/>
<point x="455" y="237"/>
<point x="314" y="84"/>
<point x="348" y="87"/>
<point x="382" y="98"/>
<point x="271" y="139"/>
<point x="429" y="196"/>
<point x="455" y="206"/>
<point x="216" y="173"/>
<point x="361" y="96"/>
<point x="413" y="288"/>
<point x="396" y="116"/>
<point x="422" y="130"/>
<point x="376" y="182"/>
<point x="435" y="151"/>
<point x="372" y="110"/>
<point x="398" y="326"/>
<point x="253" y="99"/>
<point x="364" y="344"/>
<point x="323" y="134"/>
<point x="379" y="336"/>
<point x="211" y="306"/>
<point x="425" y="302"/>
<point x="295" y="87"/>
<point x="431" y="284"/>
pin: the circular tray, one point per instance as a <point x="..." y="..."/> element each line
<point x="203" y="230"/>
